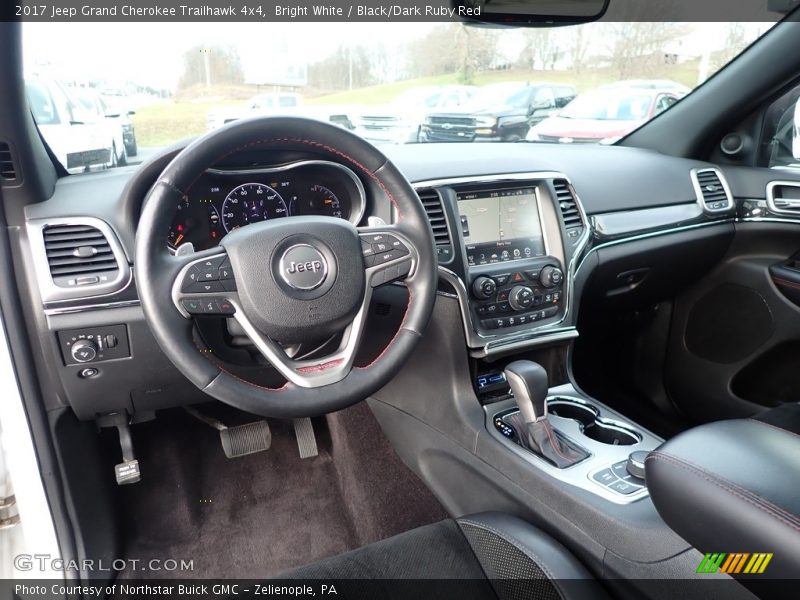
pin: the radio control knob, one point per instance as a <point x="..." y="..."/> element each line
<point x="551" y="276"/>
<point x="83" y="351"/>
<point x="520" y="297"/>
<point x="484" y="287"/>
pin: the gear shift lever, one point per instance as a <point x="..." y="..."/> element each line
<point x="528" y="381"/>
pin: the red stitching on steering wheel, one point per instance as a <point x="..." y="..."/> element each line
<point x="369" y="174"/>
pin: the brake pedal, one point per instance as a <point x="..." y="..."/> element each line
<point x="239" y="440"/>
<point x="306" y="438"/>
<point x="127" y="471"/>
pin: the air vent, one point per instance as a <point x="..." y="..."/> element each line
<point x="711" y="190"/>
<point x="568" y="206"/>
<point x="79" y="255"/>
<point x="8" y="171"/>
<point x="433" y="207"/>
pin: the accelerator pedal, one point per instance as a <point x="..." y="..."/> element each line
<point x="239" y="440"/>
<point x="306" y="439"/>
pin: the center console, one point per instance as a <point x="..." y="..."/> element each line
<point x="508" y="248"/>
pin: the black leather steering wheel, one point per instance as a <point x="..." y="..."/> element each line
<point x="287" y="280"/>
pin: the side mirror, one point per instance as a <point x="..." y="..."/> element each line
<point x="796" y="131"/>
<point x="131" y="113"/>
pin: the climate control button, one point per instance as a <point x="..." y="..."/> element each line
<point x="520" y="297"/>
<point x="484" y="287"/>
<point x="551" y="276"/>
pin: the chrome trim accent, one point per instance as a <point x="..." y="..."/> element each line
<point x="602" y="456"/>
<point x="630" y="221"/>
<point x="487" y="345"/>
<point x="50" y="312"/>
<point x="354" y="217"/>
<point x="782" y="221"/>
<point x="652" y="234"/>
<point x="50" y="292"/>
<point x="699" y="192"/>
<point x="771" y="198"/>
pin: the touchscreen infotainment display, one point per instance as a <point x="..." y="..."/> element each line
<point x="501" y="225"/>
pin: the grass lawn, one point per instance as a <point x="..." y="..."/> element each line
<point x="164" y="123"/>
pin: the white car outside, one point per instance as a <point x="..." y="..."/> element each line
<point x="79" y="140"/>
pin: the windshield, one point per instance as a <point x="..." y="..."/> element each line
<point x="391" y="83"/>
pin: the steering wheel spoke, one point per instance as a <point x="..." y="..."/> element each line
<point x="316" y="372"/>
<point x="388" y="255"/>
<point x="205" y="286"/>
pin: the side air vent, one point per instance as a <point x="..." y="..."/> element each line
<point x="8" y="172"/>
<point x="783" y="197"/>
<point x="79" y="255"/>
<point x="433" y="207"/>
<point x="569" y="207"/>
<point x="711" y="190"/>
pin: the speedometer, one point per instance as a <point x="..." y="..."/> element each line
<point x="251" y="203"/>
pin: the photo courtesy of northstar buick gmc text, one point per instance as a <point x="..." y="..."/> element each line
<point x="478" y="299"/>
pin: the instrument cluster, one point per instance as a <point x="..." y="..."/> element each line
<point x="221" y="201"/>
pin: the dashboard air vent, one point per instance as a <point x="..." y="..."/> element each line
<point x="711" y="190"/>
<point x="8" y="171"/>
<point x="433" y="207"/>
<point x="568" y="206"/>
<point x="79" y="255"/>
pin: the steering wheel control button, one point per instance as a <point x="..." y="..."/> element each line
<point x="225" y="306"/>
<point x="194" y="306"/>
<point x="366" y="248"/>
<point x="192" y="276"/>
<point x="205" y="287"/>
<point x="303" y="267"/>
<point x="398" y="246"/>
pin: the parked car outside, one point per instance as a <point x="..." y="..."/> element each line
<point x="501" y="112"/>
<point x="401" y="120"/>
<point x="117" y="108"/>
<point x="78" y="139"/>
<point x="91" y="101"/>
<point x="609" y="112"/>
<point x="260" y="105"/>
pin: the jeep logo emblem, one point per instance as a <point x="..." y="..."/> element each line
<point x="313" y="265"/>
<point x="303" y="267"/>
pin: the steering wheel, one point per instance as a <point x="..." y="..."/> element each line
<point x="289" y="280"/>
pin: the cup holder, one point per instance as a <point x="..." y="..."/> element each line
<point x="591" y="424"/>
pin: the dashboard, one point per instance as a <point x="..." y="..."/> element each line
<point x="221" y="201"/>
<point x="523" y="233"/>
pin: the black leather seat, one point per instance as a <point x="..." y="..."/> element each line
<point x="489" y="555"/>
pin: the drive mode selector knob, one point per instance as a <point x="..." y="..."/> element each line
<point x="520" y="297"/>
<point x="83" y="351"/>
<point x="484" y="287"/>
<point x="551" y="276"/>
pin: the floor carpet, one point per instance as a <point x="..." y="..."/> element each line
<point x="262" y="514"/>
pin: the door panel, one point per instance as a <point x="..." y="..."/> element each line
<point x="734" y="345"/>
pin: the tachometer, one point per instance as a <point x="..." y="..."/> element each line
<point x="316" y="200"/>
<point x="251" y="203"/>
